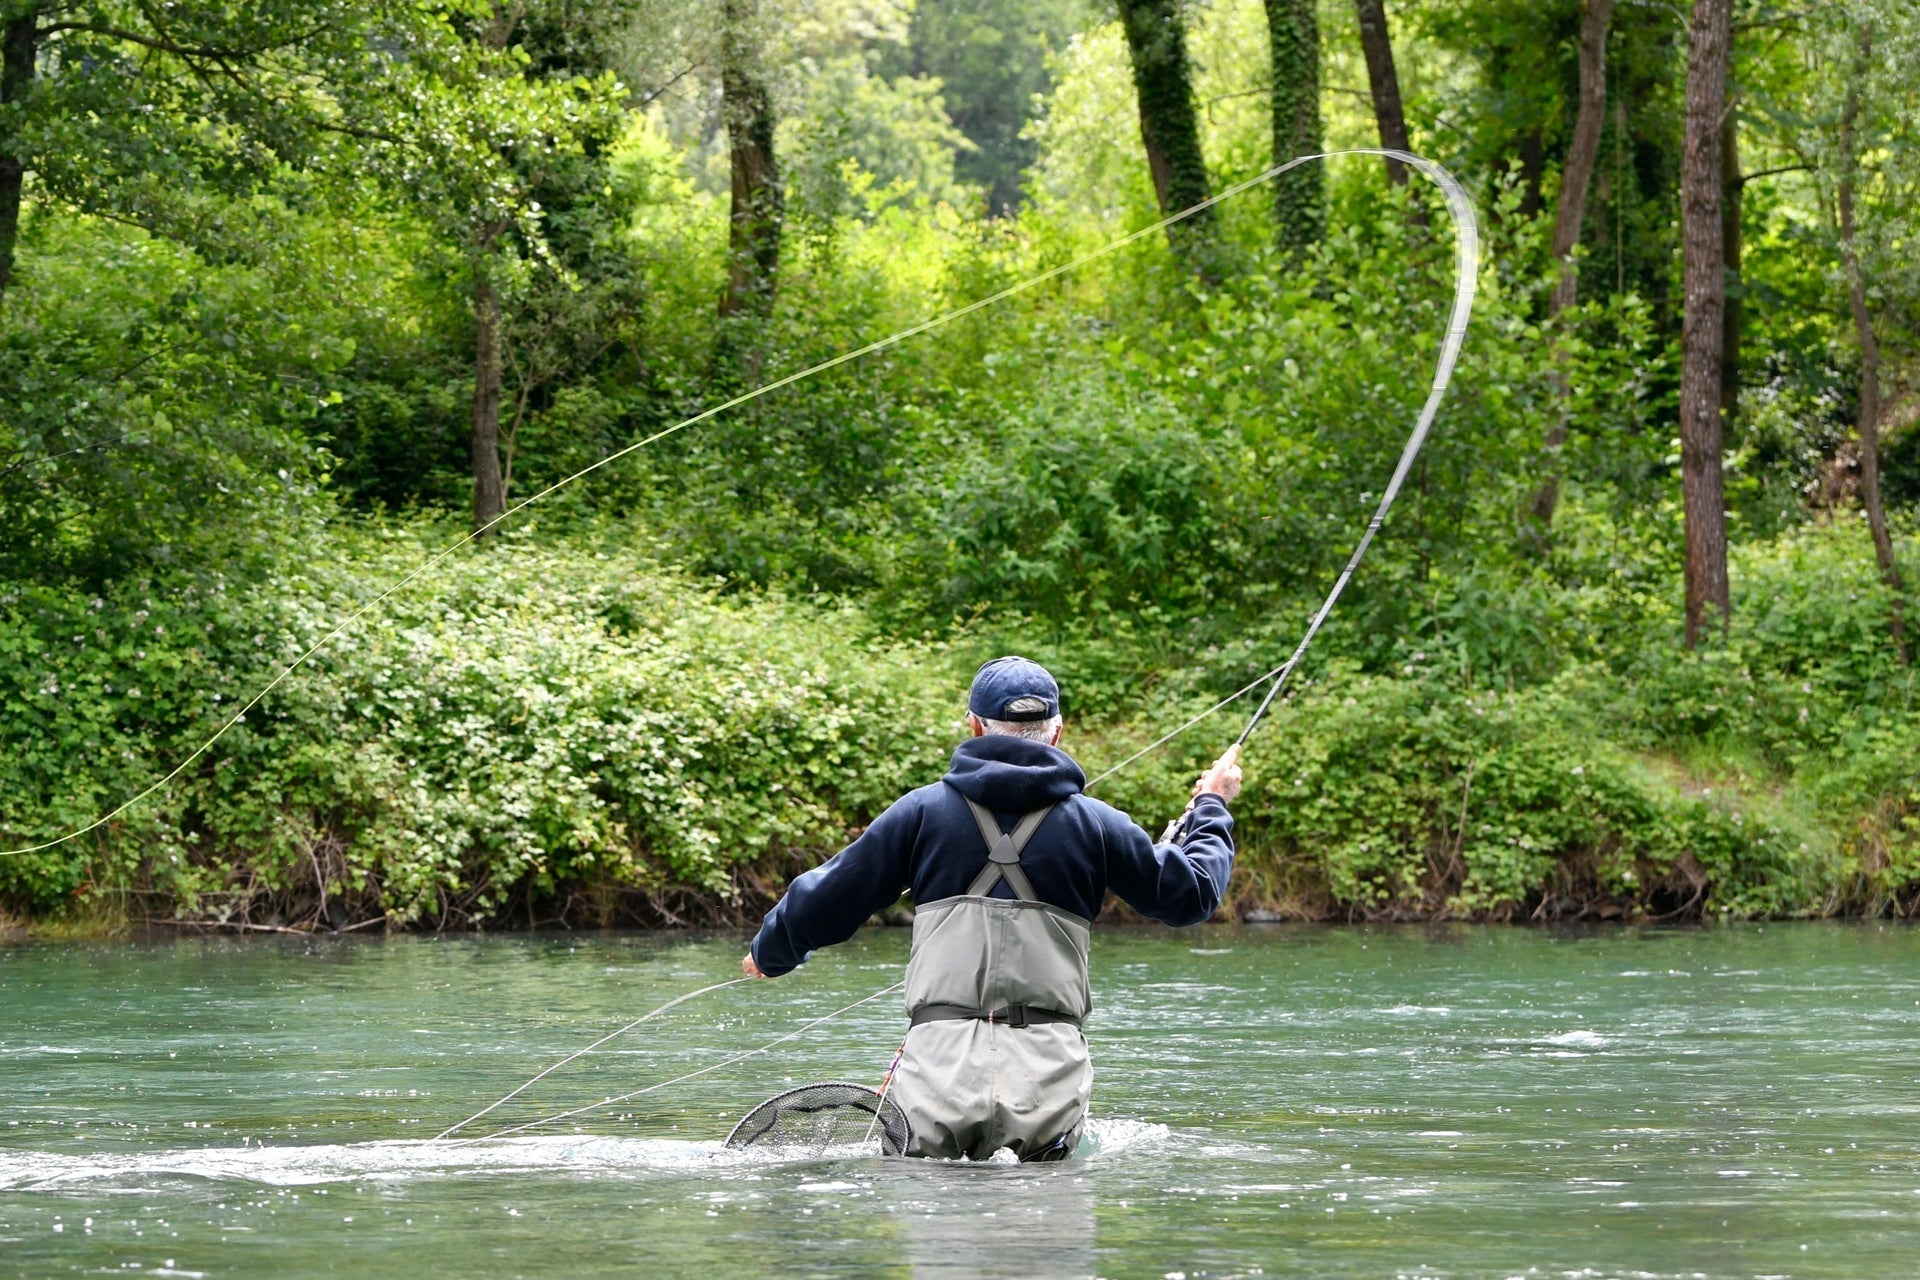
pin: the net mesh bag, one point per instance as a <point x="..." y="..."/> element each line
<point x="817" y="1118"/>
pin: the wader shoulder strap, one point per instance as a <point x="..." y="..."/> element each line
<point x="1003" y="851"/>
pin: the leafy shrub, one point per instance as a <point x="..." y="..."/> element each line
<point x="565" y="725"/>
<point x="534" y="718"/>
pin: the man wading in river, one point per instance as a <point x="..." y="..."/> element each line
<point x="1008" y="864"/>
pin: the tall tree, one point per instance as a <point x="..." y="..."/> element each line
<point x="1709" y="598"/>
<point x="138" y="112"/>
<point x="1300" y="194"/>
<point x="489" y="486"/>
<point x="1576" y="178"/>
<point x="1384" y="81"/>
<point x="21" y="48"/>
<point x="477" y="124"/>
<point x="1733" y="192"/>
<point x="1863" y="327"/>
<point x="1169" y="128"/>
<point x="753" y="237"/>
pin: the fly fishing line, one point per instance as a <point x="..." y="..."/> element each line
<point x="1466" y="230"/>
<point x="797" y="1032"/>
<point x="581" y="1053"/>
<point x="1466" y="238"/>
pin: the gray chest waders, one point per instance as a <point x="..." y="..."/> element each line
<point x="996" y="991"/>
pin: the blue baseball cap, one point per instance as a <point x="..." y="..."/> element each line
<point x="1013" y="689"/>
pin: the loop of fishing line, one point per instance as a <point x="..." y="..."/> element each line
<point x="801" y="1030"/>
<point x="1466" y="264"/>
<point x="1466" y="275"/>
<point x="581" y="1053"/>
<point x="1467" y="257"/>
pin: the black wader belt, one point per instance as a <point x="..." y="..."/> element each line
<point x="1013" y="1015"/>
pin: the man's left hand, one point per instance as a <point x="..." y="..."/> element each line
<point x="748" y="967"/>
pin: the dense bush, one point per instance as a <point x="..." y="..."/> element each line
<point x="566" y="729"/>
<point x="538" y="719"/>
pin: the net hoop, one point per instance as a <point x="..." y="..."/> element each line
<point x="822" y="1116"/>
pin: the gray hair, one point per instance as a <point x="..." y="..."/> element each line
<point x="1037" y="730"/>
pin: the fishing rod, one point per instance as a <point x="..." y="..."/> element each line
<point x="1466" y="274"/>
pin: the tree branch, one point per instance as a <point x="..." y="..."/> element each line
<point x="646" y="99"/>
<point x="1768" y="173"/>
<point x="209" y="52"/>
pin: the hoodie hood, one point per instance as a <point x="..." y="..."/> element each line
<point x="1013" y="775"/>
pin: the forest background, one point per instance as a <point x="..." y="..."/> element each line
<point x="293" y="295"/>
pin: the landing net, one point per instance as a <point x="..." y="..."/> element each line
<point x="817" y="1118"/>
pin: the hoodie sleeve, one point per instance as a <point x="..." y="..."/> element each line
<point x="1176" y="884"/>
<point x="828" y="904"/>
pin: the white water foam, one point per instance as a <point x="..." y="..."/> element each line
<point x="1576" y="1040"/>
<point x="363" y="1161"/>
<point x="1112" y="1136"/>
<point x="407" y="1160"/>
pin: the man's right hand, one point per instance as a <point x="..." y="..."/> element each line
<point x="1223" y="779"/>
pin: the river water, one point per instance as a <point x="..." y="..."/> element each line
<point x="1459" y="1101"/>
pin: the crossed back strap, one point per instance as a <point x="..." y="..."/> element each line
<point x="1003" y="851"/>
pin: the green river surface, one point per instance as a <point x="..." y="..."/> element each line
<point x="1455" y="1101"/>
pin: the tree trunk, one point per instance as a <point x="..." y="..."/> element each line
<point x="1869" y="349"/>
<point x="489" y="489"/>
<point x="1533" y="170"/>
<point x="1169" y="129"/>
<point x="1733" y="190"/>
<point x="1299" y="195"/>
<point x="1576" y="179"/>
<point x="1388" y="115"/>
<point x="489" y="492"/>
<point x="1702" y="483"/>
<point x="21" y="38"/>
<point x="753" y="236"/>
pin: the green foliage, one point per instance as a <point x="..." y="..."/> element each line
<point x="990" y="57"/>
<point x="550" y="715"/>
<point x="155" y="408"/>
<point x="1143" y="475"/>
<point x="1408" y="796"/>
<point x="562" y="714"/>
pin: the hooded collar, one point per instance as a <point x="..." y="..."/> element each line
<point x="1013" y="775"/>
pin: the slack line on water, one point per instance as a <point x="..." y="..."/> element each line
<point x="1467" y="257"/>
<point x="1466" y="260"/>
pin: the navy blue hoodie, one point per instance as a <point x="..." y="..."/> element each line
<point x="928" y="842"/>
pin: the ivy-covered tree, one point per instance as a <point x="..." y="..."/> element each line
<point x="1300" y="194"/>
<point x="1169" y="129"/>
<point x="758" y="204"/>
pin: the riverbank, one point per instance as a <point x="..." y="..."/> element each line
<point x="564" y="733"/>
